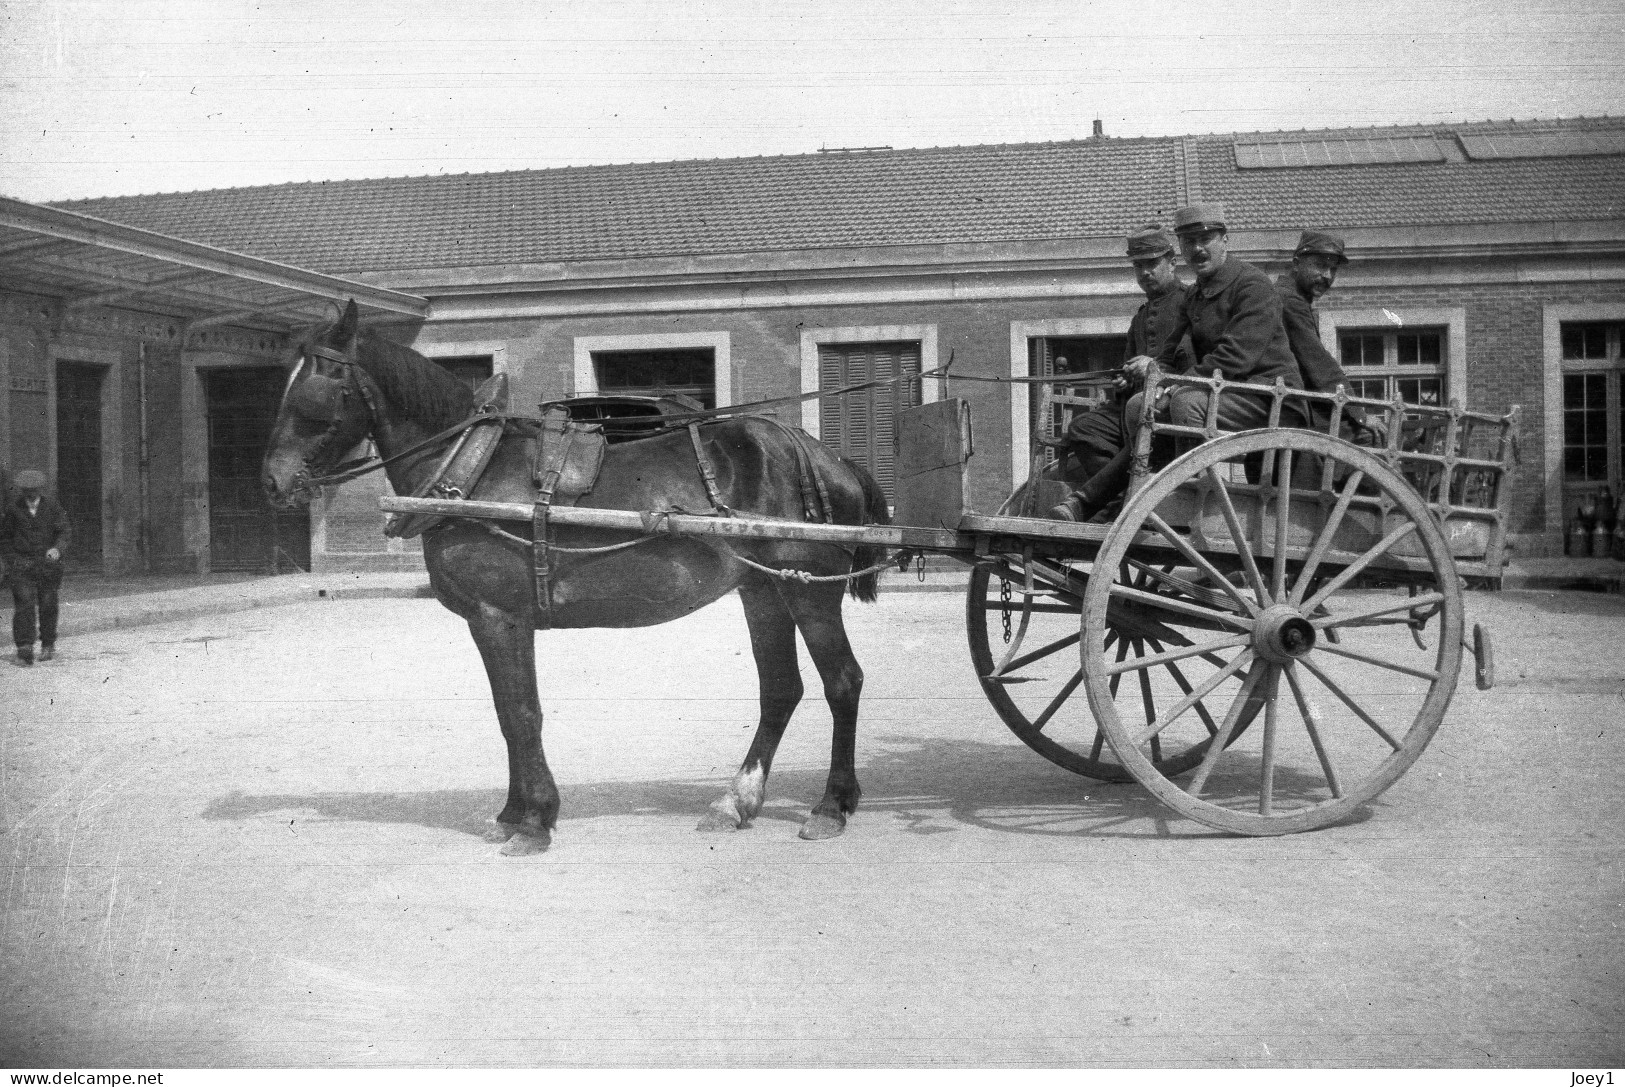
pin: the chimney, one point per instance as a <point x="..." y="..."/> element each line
<point x="1100" y="129"/>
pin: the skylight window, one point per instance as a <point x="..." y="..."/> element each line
<point x="1280" y="154"/>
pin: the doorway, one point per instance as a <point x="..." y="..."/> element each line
<point x="245" y="533"/>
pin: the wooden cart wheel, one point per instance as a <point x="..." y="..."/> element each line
<point x="1022" y="622"/>
<point x="1343" y="719"/>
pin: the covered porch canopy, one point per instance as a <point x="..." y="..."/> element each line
<point x="86" y="262"/>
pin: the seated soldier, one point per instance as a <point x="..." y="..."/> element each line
<point x="1094" y="437"/>
<point x="1233" y="317"/>
<point x="1315" y="264"/>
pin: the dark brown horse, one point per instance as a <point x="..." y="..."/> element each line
<point x="349" y="384"/>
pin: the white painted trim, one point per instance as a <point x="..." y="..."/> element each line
<point x="1552" y="368"/>
<point x="112" y="440"/>
<point x="586" y="380"/>
<point x="497" y="349"/>
<point x="1453" y="318"/>
<point x="813" y="338"/>
<point x="1021" y="394"/>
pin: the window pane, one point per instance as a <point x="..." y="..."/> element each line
<point x="1407" y="351"/>
<point x="1374" y="387"/>
<point x="1585" y="427"/>
<point x="1359" y="349"/>
<point x="1429" y="347"/>
<point x="1419" y="390"/>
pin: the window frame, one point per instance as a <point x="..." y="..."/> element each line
<point x="1553" y="318"/>
<point x="1023" y="399"/>
<point x="814" y="338"/>
<point x="1451" y="319"/>
<point x="585" y="381"/>
<point x="1391" y="370"/>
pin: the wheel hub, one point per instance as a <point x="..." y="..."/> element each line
<point x="1283" y="635"/>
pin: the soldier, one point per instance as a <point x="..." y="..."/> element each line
<point x="1233" y="317"/>
<point x="1094" y="437"/>
<point x="1315" y="264"/>
<point x="33" y="535"/>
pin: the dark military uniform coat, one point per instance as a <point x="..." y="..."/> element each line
<point x="1153" y="324"/>
<point x="1321" y="371"/>
<point x="1236" y="329"/>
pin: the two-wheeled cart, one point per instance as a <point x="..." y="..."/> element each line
<point x="1266" y="635"/>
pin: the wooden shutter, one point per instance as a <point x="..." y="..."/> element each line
<point x="862" y="425"/>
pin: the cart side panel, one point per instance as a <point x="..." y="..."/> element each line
<point x="933" y="453"/>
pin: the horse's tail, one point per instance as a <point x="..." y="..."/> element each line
<point x="867" y="587"/>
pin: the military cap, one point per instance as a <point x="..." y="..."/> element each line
<point x="1148" y="242"/>
<point x="1199" y="217"/>
<point x="30" y="480"/>
<point x="1322" y="243"/>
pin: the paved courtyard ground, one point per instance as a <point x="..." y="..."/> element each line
<point x="253" y="840"/>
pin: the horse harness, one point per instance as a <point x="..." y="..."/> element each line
<point x="565" y="461"/>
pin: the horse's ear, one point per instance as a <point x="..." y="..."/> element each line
<point x="345" y="330"/>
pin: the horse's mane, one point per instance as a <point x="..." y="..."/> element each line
<point x="415" y="386"/>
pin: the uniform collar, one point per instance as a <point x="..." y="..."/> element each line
<point x="1290" y="282"/>
<point x="1163" y="292"/>
<point x="1218" y="281"/>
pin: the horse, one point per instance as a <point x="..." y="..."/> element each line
<point x="348" y="384"/>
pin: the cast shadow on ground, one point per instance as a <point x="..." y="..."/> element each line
<point x="933" y="786"/>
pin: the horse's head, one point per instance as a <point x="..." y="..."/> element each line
<point x="326" y="411"/>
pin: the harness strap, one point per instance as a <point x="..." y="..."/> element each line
<point x="708" y="474"/>
<point x="826" y="508"/>
<point x="541" y="529"/>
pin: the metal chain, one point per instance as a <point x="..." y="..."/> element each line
<point x="1004" y="606"/>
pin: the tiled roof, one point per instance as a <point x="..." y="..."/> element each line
<point x="1004" y="192"/>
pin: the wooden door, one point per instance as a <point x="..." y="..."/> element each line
<point x="245" y="533"/>
<point x="79" y="459"/>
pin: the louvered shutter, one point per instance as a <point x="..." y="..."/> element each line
<point x="863" y="425"/>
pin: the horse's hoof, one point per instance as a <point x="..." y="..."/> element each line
<point x="819" y="826"/>
<point x="499" y="833"/>
<point x="525" y="843"/>
<point x="722" y="817"/>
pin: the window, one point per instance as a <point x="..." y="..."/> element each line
<point x="1593" y="412"/>
<point x="471" y="370"/>
<point x="1051" y="355"/>
<point x="1406" y="365"/>
<point x="861" y="425"/>
<point x="659" y="372"/>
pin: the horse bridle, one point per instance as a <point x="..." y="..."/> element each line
<point x="328" y="399"/>
<point x="331" y="398"/>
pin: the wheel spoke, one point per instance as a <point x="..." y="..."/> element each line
<point x="1332" y="622"/>
<point x="1194" y="698"/>
<point x="1419" y="673"/>
<point x="1283" y="520"/>
<point x="1266" y="782"/>
<point x="1184" y="607"/>
<point x="1323" y="542"/>
<point x="1058" y="701"/>
<point x="1185" y="687"/>
<point x="1147" y="702"/>
<point x="1201" y="562"/>
<point x="1311" y="723"/>
<point x="1209" y="597"/>
<point x="1359" y="564"/>
<point x="1036" y="655"/>
<point x="1217" y="745"/>
<point x="1177" y="654"/>
<point x="1239" y="536"/>
<point x="1116" y="669"/>
<point x="1331" y="685"/>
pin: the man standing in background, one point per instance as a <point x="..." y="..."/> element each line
<point x="33" y="535"/>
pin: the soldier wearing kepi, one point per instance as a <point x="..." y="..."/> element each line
<point x="33" y="536"/>
<point x="1315" y="264"/>
<point x="1095" y="436"/>
<point x="1233" y="317"/>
